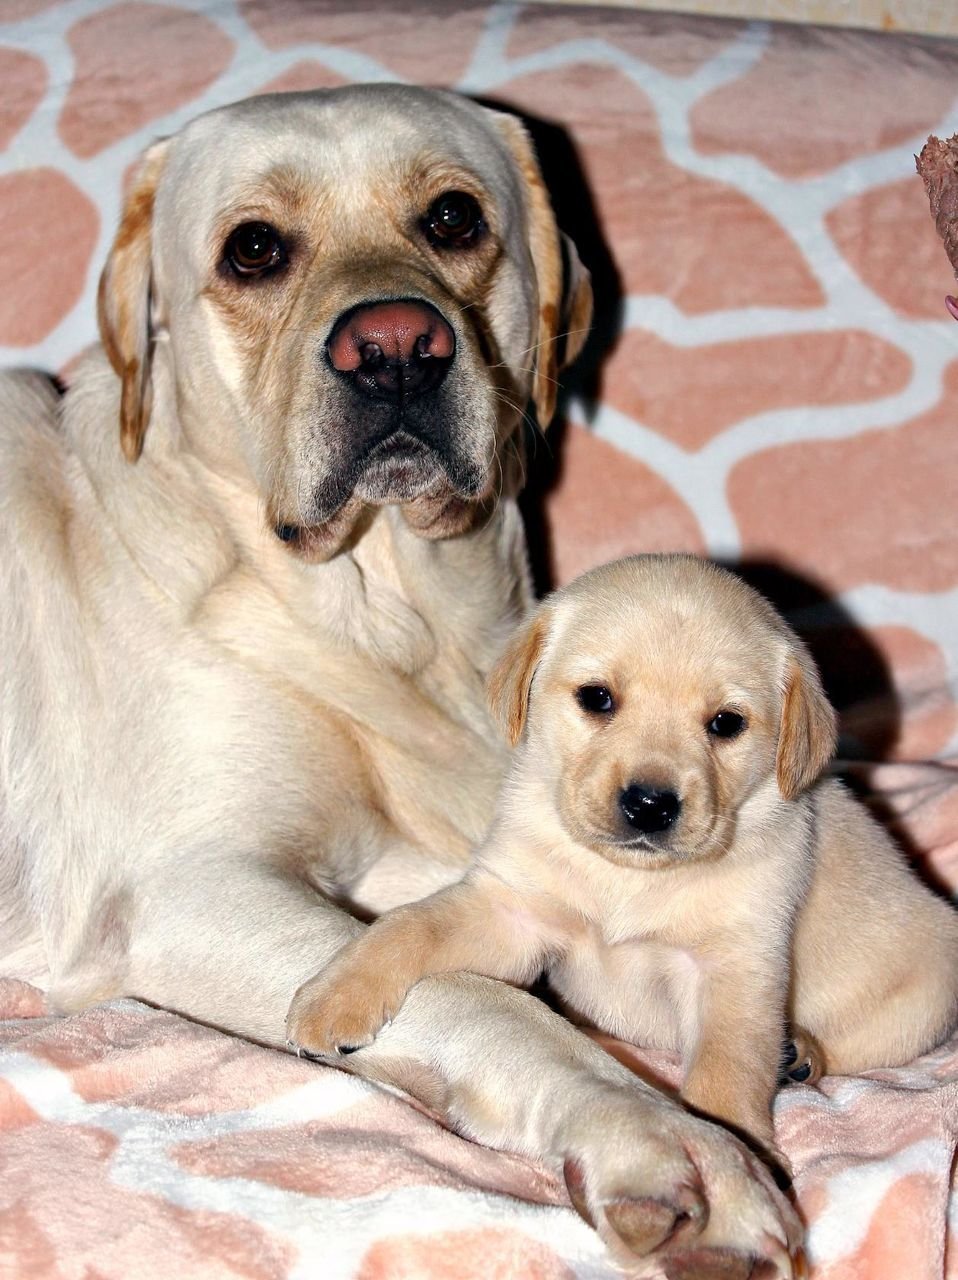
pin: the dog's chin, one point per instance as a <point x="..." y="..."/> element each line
<point x="644" y="852"/>
<point x="437" y="500"/>
<point x="399" y="471"/>
<point x="636" y="854"/>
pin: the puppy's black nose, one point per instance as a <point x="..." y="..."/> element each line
<point x="392" y="350"/>
<point x="648" y="809"/>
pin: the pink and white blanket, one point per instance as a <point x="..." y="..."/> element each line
<point x="781" y="390"/>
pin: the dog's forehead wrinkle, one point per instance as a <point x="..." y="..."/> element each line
<point x="391" y="127"/>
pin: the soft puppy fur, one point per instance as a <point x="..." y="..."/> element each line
<point x="666" y="848"/>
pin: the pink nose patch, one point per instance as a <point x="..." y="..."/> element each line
<point x="399" y="332"/>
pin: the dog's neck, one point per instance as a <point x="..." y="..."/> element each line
<point x="407" y="602"/>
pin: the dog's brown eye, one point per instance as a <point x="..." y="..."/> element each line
<point x="727" y="724"/>
<point x="596" y="699"/>
<point x="255" y="248"/>
<point x="454" y="221"/>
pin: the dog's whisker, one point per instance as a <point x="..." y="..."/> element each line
<point x="545" y="342"/>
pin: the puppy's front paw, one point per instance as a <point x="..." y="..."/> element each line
<point x="341" y="1009"/>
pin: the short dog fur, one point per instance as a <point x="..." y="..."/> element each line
<point x="250" y="600"/>
<point x="752" y="891"/>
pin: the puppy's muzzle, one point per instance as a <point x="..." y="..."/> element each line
<point x="649" y="810"/>
<point x="394" y="351"/>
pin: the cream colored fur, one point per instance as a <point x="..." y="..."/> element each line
<point x="773" y="898"/>
<point x="218" y="749"/>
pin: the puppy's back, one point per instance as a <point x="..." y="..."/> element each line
<point x="876" y="951"/>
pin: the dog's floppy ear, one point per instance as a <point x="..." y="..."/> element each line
<point x="565" y="288"/>
<point x="124" y="300"/>
<point x="511" y="677"/>
<point x="807" y="734"/>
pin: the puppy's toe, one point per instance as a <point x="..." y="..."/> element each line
<point x="330" y="1019"/>
<point x="802" y="1060"/>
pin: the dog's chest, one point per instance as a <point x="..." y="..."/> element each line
<point x="364" y="710"/>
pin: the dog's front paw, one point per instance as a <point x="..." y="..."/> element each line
<point x="341" y="1009"/>
<point x="659" y="1183"/>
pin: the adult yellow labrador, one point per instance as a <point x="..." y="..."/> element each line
<point x="254" y="574"/>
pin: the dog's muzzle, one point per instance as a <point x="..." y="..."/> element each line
<point x="397" y="429"/>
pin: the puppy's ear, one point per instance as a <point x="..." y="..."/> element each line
<point x="511" y="677"/>
<point x="123" y="303"/>
<point x="806" y="739"/>
<point x="565" y="288"/>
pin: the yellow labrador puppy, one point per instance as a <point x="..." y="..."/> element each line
<point x="255" y="570"/>
<point x="666" y="848"/>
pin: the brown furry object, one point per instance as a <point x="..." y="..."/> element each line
<point x="938" y="166"/>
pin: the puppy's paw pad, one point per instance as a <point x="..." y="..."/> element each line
<point x="789" y="1055"/>
<point x="319" y="1027"/>
<point x="315" y="1036"/>
<point x="300" y="1052"/>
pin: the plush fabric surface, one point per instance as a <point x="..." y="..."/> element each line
<point x="774" y="380"/>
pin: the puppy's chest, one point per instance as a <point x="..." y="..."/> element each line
<point x="662" y="907"/>
<point x="635" y="969"/>
<point x="685" y="918"/>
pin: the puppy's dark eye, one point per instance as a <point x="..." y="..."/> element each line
<point x="454" y="221"/>
<point x="595" y="698"/>
<point x="727" y="724"/>
<point x="254" y="249"/>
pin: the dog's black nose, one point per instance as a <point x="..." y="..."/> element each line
<point x="648" y="809"/>
<point x="392" y="350"/>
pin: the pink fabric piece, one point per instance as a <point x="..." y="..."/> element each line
<point x="132" y="1140"/>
